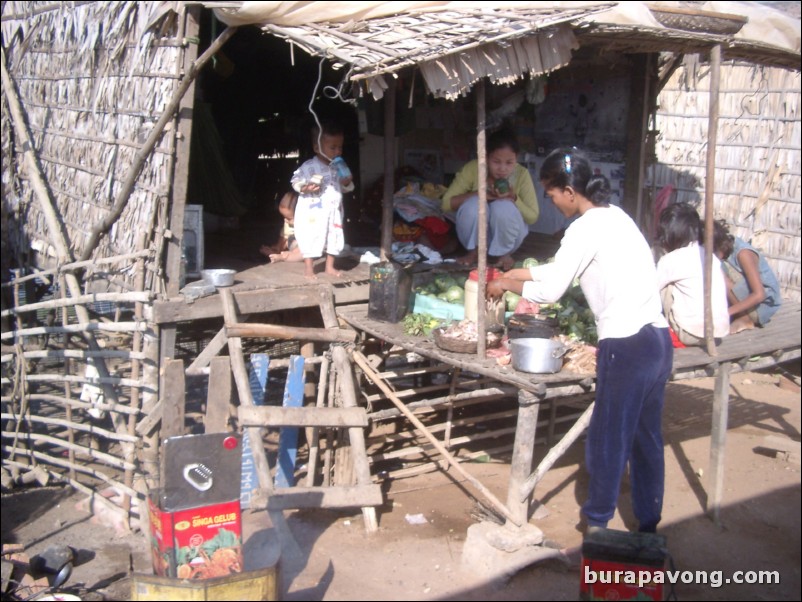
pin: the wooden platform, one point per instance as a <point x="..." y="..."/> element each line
<point x="776" y="343"/>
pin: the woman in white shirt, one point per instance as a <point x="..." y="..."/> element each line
<point x="604" y="249"/>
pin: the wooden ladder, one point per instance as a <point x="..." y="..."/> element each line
<point x="350" y="417"/>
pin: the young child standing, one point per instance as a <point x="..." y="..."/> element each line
<point x="319" y="211"/>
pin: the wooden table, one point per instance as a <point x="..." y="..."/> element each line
<point x="777" y="343"/>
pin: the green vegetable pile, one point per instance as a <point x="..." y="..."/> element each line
<point x="574" y="316"/>
<point x="420" y="324"/>
<point x="449" y="288"/>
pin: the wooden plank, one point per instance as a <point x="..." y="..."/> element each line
<point x="356" y="496"/>
<point x="218" y="401"/>
<point x="303" y="417"/>
<point x="261" y="300"/>
<point x="288" y="437"/>
<point x="274" y="331"/>
<point x="257" y="381"/>
<point x="174" y="399"/>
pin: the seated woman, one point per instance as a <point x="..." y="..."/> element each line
<point x="753" y="291"/>
<point x="680" y="275"/>
<point x="511" y="202"/>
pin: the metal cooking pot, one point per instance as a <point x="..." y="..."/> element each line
<point x="218" y="277"/>
<point x="537" y="355"/>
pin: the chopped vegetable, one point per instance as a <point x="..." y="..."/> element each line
<point x="420" y="324"/>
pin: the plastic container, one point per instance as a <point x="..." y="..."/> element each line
<point x="390" y="287"/>
<point x="343" y="171"/>
<point x="493" y="316"/>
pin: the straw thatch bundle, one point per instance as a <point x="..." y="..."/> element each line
<point x="757" y="159"/>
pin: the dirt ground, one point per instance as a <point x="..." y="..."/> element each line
<point x="760" y="528"/>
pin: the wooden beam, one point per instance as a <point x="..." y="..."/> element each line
<point x="274" y="331"/>
<point x="219" y="398"/>
<point x="174" y="399"/>
<point x="274" y="416"/>
<point x="355" y="496"/>
<point x="252" y="302"/>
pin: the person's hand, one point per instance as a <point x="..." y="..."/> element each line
<point x="310" y="188"/>
<point x="345" y="182"/>
<point x="495" y="288"/>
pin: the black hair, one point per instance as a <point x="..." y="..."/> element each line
<point x="723" y="241"/>
<point x="569" y="167"/>
<point x="327" y="127"/>
<point x="503" y="138"/>
<point x="679" y="226"/>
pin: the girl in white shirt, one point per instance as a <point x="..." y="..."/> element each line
<point x="680" y="276"/>
<point x="604" y="249"/>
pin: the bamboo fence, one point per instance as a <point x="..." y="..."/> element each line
<point x="93" y="82"/>
<point x="758" y="165"/>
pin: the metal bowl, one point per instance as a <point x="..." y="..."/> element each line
<point x="218" y="277"/>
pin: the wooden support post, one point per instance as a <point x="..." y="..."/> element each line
<point x="218" y="401"/>
<point x="710" y="190"/>
<point x="174" y="399"/>
<point x="314" y="438"/>
<point x="718" y="440"/>
<point x="481" y="242"/>
<point x="347" y="388"/>
<point x="522" y="453"/>
<point x="254" y="434"/>
<point x="389" y="169"/>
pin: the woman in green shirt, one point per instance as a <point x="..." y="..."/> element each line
<point x="511" y="202"/>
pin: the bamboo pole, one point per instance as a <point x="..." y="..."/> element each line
<point x="314" y="441"/>
<point x="78" y="426"/>
<point x="139" y="160"/>
<point x="710" y="190"/>
<point x="389" y="169"/>
<point x="87" y="327"/>
<point x="109" y="380"/>
<point x="143" y="297"/>
<point x="107" y="458"/>
<point x="57" y="399"/>
<point x="362" y="362"/>
<point x="69" y="267"/>
<point x="481" y="242"/>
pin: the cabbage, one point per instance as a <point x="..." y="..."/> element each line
<point x="455" y="294"/>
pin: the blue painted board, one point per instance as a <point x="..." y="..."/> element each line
<point x="257" y="378"/>
<point x="288" y="436"/>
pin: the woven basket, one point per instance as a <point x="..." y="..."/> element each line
<point x="699" y="20"/>
<point x="447" y="343"/>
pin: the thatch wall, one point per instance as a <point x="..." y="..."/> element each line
<point x="80" y="372"/>
<point x="758" y="165"/>
<point x="93" y="78"/>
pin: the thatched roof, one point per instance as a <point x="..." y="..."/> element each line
<point x="457" y="43"/>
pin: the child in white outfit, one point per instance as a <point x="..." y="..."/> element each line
<point x="319" y="212"/>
